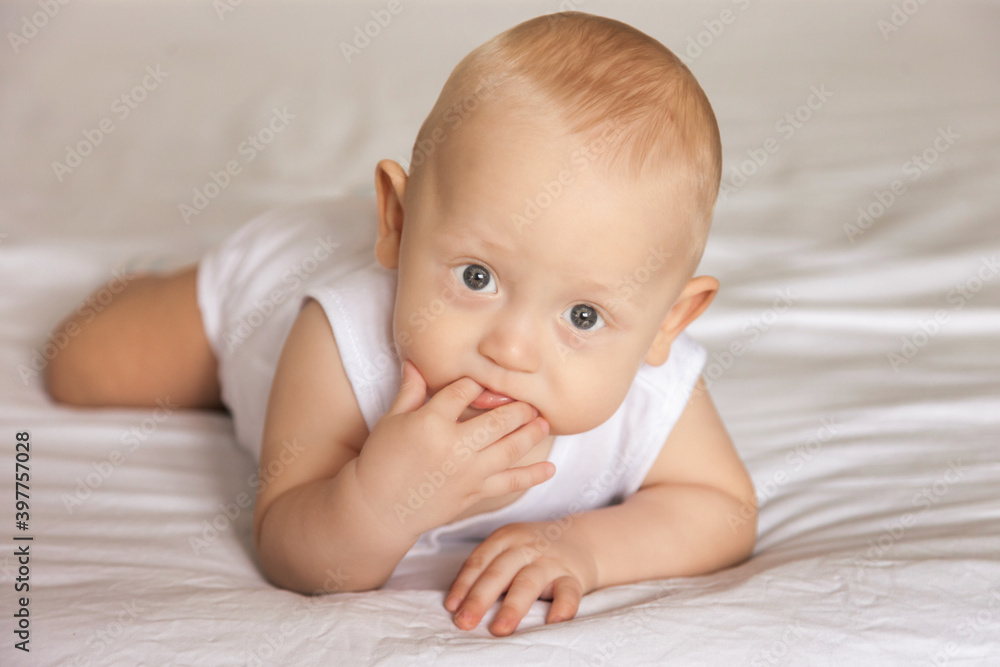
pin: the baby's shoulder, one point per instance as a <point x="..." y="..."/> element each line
<point x="359" y="308"/>
<point x="313" y="426"/>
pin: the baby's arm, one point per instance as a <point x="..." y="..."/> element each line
<point x="326" y="517"/>
<point x="695" y="512"/>
<point x="309" y="516"/>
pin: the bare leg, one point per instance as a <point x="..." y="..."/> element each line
<point x="148" y="344"/>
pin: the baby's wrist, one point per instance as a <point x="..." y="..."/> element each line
<point x="391" y="521"/>
<point x="583" y="553"/>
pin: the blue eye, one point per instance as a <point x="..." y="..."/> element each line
<point x="584" y="317"/>
<point x="476" y="277"/>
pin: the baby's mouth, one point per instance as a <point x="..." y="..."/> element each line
<point x="489" y="400"/>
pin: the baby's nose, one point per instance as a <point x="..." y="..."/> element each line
<point x="513" y="343"/>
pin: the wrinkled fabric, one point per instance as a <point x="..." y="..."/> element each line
<point x="852" y="353"/>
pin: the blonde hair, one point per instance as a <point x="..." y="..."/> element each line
<point x="604" y="80"/>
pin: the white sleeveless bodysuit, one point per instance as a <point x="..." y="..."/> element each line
<point x="251" y="287"/>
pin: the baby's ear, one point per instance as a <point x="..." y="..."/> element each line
<point x="390" y="185"/>
<point x="696" y="296"/>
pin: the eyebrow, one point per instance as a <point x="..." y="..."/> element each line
<point x="457" y="235"/>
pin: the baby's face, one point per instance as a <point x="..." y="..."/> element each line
<point x="529" y="272"/>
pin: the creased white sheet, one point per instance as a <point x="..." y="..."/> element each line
<point x="880" y="486"/>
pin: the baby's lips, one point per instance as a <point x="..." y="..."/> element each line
<point x="487" y="400"/>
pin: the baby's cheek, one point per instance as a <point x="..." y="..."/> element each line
<point x="439" y="364"/>
<point x="408" y="325"/>
<point x="585" y="404"/>
<point x="415" y="339"/>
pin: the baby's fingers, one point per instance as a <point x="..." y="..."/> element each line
<point x="454" y="398"/>
<point x="492" y="426"/>
<point x="512" y="447"/>
<point x="482" y="556"/>
<point x="566" y="595"/>
<point x="513" y="480"/>
<point x="412" y="390"/>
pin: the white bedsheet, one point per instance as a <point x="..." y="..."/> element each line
<point x="880" y="486"/>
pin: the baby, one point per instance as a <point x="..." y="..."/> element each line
<point x="512" y="368"/>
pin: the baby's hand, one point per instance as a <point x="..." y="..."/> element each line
<point x="522" y="560"/>
<point x="420" y="468"/>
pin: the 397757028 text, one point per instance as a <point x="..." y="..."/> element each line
<point x="22" y="542"/>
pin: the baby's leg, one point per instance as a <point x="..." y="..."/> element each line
<point x="148" y="344"/>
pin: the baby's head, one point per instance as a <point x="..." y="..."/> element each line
<point x="558" y="203"/>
